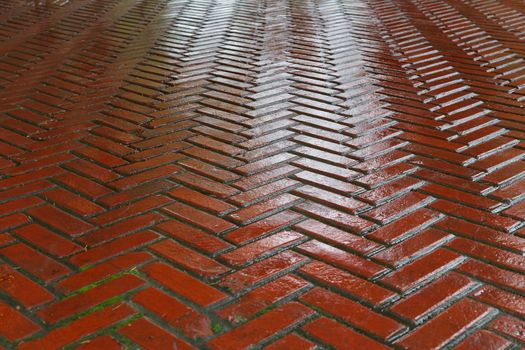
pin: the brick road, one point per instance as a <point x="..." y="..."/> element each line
<point x="278" y="174"/>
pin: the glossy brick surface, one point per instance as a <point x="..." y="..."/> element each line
<point x="278" y="174"/>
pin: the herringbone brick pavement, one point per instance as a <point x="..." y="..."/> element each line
<point x="277" y="174"/>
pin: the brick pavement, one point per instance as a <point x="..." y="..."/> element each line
<point x="278" y="174"/>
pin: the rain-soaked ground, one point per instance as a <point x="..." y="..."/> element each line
<point x="226" y="175"/>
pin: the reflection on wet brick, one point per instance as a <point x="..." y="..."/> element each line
<point x="280" y="174"/>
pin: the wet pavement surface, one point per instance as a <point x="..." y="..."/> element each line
<point x="180" y="174"/>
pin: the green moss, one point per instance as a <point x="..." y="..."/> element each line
<point x="265" y="310"/>
<point x="217" y="327"/>
<point x="132" y="271"/>
<point x="136" y="272"/>
<point x="86" y="267"/>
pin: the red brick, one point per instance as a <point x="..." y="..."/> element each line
<point x="202" y="183"/>
<point x="511" y="192"/>
<point x="82" y="327"/>
<point x="47" y="241"/>
<point x="115" y="135"/>
<point x="483" y="234"/>
<point x="6" y="238"/>
<point x="484" y="339"/>
<point x="328" y="198"/>
<point x="385" y="137"/>
<point x="347" y="283"/>
<point x="336" y="237"/>
<point x="153" y="152"/>
<point x="32" y="166"/>
<point x="461" y="197"/>
<point x="19" y="204"/>
<point x="291" y="341"/>
<point x="259" y="193"/>
<point x="260" y="271"/>
<point x="144" y="177"/>
<point x="151" y="337"/>
<point x="405" y="226"/>
<point x="508" y="173"/>
<point x="419" y="271"/>
<point x="341" y="173"/>
<point x="512" y="303"/>
<point x="30" y="177"/>
<point x="330" y="184"/>
<point x="447" y="168"/>
<point x="353" y="313"/>
<point x="109" y="249"/>
<point x="18" y="325"/>
<point x="174" y="313"/>
<point x="383" y="176"/>
<point x="101" y="342"/>
<point x="83" y="301"/>
<point x="337" y="218"/>
<point x="417" y="245"/>
<point x="193" y="237"/>
<point x="262" y="227"/>
<point x="22" y="289"/>
<point x="441" y="329"/>
<point x="198" y="218"/>
<point x="338" y="336"/>
<point x="202" y="201"/>
<point x="213" y="157"/>
<point x="495" y="221"/>
<point x="27" y="189"/>
<point x="261" y="328"/>
<point x="384" y="193"/>
<point x="12" y="221"/>
<point x="261" y="248"/>
<point x="509" y="326"/>
<point x="344" y="260"/>
<point x="37" y="264"/>
<point x="453" y="181"/>
<point x="398" y="207"/>
<point x="61" y="220"/>
<point x="99" y="272"/>
<point x="72" y="202"/>
<point x="92" y="170"/>
<point x="249" y="182"/>
<point x="183" y="284"/>
<point x="135" y="193"/>
<point x="485" y="252"/>
<point x="82" y="185"/>
<point x="208" y="171"/>
<point x="264" y="208"/>
<point x="516" y="211"/>
<point x="495" y="275"/>
<point x="262" y="297"/>
<point x="120" y="229"/>
<point x="131" y="209"/>
<point x="189" y="259"/>
<point x="424" y="301"/>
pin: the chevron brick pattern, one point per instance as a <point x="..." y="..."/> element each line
<point x="277" y="174"/>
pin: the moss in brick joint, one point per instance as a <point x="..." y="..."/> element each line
<point x="265" y="310"/>
<point x="103" y="305"/>
<point x="9" y="345"/>
<point x="136" y="272"/>
<point x="84" y="289"/>
<point x="125" y="342"/>
<point x="110" y="331"/>
<point x="86" y="267"/>
<point x="217" y="327"/>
